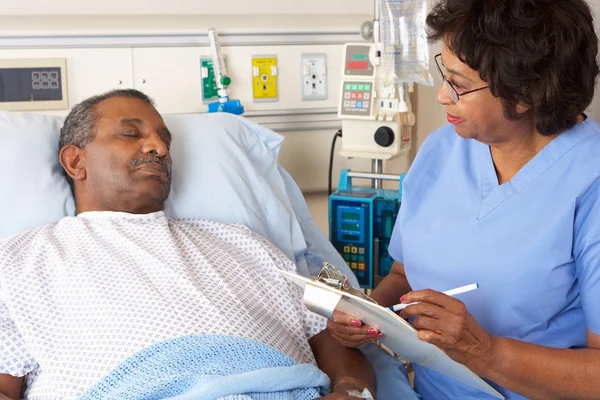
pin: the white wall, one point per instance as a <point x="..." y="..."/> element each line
<point x="183" y="7"/>
<point x="171" y="76"/>
<point x="430" y="114"/>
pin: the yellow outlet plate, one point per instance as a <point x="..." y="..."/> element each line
<point x="265" y="78"/>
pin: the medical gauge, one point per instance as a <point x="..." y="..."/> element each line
<point x="222" y="80"/>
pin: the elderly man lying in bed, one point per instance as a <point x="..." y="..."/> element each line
<point x="121" y="302"/>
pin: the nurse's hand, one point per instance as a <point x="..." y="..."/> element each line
<point x="445" y="322"/>
<point x="350" y="331"/>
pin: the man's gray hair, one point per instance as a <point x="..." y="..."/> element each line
<point x="80" y="125"/>
<point x="79" y="128"/>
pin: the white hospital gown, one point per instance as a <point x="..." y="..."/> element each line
<point x="79" y="297"/>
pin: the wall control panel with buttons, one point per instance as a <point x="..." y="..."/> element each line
<point x="33" y="84"/>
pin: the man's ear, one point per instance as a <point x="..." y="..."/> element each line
<point x="72" y="159"/>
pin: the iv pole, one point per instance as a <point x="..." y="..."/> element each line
<point x="376" y="165"/>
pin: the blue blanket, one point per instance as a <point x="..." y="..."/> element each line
<point x="210" y="367"/>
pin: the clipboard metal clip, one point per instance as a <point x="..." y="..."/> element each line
<point x="332" y="277"/>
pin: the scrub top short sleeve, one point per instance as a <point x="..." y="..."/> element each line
<point x="395" y="248"/>
<point x="420" y="164"/>
<point x="587" y="255"/>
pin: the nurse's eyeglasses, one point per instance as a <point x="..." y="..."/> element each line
<point x="454" y="95"/>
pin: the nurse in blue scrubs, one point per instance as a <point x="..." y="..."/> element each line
<point x="508" y="196"/>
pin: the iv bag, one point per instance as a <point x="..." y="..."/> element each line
<point x="405" y="54"/>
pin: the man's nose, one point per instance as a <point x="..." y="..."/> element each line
<point x="155" y="145"/>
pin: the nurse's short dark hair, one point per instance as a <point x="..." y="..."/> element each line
<point x="543" y="53"/>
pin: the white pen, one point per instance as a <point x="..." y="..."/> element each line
<point x="451" y="292"/>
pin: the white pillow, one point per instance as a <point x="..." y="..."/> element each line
<point x="33" y="190"/>
<point x="224" y="169"/>
<point x="221" y="171"/>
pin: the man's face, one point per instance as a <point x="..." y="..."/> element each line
<point x="128" y="165"/>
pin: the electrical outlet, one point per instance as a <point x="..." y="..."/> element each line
<point x="314" y="77"/>
<point x="264" y="78"/>
<point x="209" y="85"/>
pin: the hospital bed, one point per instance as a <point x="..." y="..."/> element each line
<point x="225" y="169"/>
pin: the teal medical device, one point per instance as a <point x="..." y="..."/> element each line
<point x="361" y="221"/>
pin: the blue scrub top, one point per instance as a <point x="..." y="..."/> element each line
<point x="532" y="244"/>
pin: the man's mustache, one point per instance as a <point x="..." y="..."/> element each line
<point x="152" y="159"/>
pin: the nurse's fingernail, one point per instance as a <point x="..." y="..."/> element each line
<point x="373" y="331"/>
<point x="380" y="335"/>
<point x="402" y="299"/>
<point x="355" y="322"/>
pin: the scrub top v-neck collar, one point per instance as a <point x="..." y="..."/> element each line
<point x="493" y="194"/>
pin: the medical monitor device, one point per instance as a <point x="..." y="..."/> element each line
<point x="361" y="221"/>
<point x="376" y="119"/>
<point x="33" y="84"/>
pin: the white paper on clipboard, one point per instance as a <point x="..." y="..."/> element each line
<point x="398" y="335"/>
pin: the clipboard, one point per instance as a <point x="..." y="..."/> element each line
<point x="399" y="335"/>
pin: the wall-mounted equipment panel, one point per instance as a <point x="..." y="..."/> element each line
<point x="264" y="78"/>
<point x="33" y="84"/>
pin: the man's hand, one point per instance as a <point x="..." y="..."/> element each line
<point x="343" y="395"/>
<point x="345" y="385"/>
<point x="347" y="368"/>
<point x="338" y="396"/>
<point x="350" y="331"/>
<point x="445" y="322"/>
<point x="10" y="387"/>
